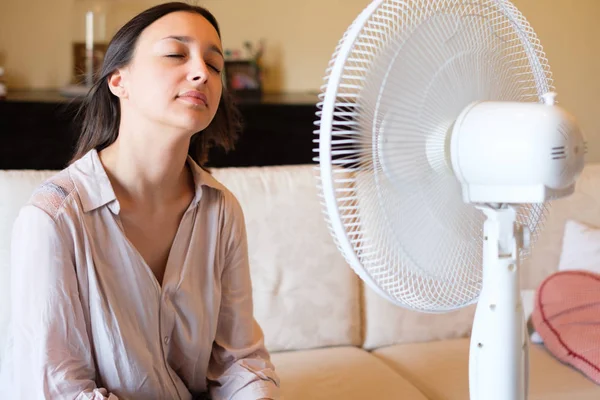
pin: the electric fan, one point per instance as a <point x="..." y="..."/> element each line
<point x="439" y="145"/>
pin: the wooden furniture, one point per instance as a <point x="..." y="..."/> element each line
<point x="38" y="130"/>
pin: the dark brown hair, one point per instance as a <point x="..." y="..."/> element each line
<point x="101" y="110"/>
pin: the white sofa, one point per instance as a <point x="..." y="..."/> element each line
<point x="330" y="336"/>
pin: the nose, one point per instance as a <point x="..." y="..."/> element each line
<point x="198" y="73"/>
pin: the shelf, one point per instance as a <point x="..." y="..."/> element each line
<point x="38" y="130"/>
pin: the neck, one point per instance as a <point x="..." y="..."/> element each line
<point x="148" y="169"/>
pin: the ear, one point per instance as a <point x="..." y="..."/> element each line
<point x="116" y="83"/>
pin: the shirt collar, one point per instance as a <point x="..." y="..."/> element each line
<point x="95" y="190"/>
<point x="202" y="178"/>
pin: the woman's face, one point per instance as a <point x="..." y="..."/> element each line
<point x="174" y="78"/>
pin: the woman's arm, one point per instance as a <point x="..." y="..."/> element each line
<point x="50" y="354"/>
<point x="240" y="367"/>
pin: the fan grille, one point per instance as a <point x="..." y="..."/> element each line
<point x="398" y="79"/>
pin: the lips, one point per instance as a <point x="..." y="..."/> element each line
<point x="194" y="97"/>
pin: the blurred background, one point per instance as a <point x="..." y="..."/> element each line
<point x="37" y="39"/>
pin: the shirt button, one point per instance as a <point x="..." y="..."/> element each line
<point x="166" y="339"/>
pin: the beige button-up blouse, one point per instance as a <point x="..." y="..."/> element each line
<point x="90" y="321"/>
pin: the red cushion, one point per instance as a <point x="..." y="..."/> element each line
<point x="567" y="316"/>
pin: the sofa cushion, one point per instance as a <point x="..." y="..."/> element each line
<point x="305" y="294"/>
<point x="566" y="316"/>
<point x="346" y="373"/>
<point x="580" y="248"/>
<point x="15" y="189"/>
<point x="387" y="324"/>
<point x="441" y="371"/>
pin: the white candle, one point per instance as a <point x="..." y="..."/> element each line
<point x="89" y="48"/>
<point x="89" y="30"/>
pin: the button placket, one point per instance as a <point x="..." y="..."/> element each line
<point x="165" y="328"/>
<point x="166" y="321"/>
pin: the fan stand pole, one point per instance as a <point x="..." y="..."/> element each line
<point x="498" y="358"/>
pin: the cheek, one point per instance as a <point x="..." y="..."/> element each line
<point x="217" y="91"/>
<point x="150" y="85"/>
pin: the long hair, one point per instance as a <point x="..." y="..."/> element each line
<point x="101" y="110"/>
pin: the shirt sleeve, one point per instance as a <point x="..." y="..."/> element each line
<point x="240" y="366"/>
<point x="49" y="355"/>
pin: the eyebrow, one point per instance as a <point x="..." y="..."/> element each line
<point x="188" y="39"/>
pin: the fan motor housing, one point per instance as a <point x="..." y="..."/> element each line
<point x="514" y="152"/>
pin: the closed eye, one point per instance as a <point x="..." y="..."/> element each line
<point x="175" y="55"/>
<point x="217" y="70"/>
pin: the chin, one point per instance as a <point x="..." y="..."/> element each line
<point x="191" y="124"/>
<point x="190" y="130"/>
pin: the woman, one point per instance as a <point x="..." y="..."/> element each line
<point x="130" y="272"/>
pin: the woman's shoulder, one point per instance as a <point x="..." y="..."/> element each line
<point x="207" y="179"/>
<point x="52" y="195"/>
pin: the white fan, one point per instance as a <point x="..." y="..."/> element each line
<point x="439" y="144"/>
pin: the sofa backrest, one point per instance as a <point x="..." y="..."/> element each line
<point x="304" y="293"/>
<point x="386" y="324"/>
<point x="582" y="206"/>
<point x="15" y="189"/>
